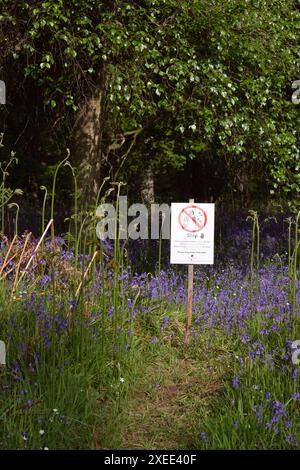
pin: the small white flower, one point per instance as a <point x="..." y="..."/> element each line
<point x="46" y="448"/>
<point x="42" y="432"/>
<point x="55" y="410"/>
<point x="193" y="127"/>
<point x="122" y="380"/>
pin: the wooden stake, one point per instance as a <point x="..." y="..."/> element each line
<point x="189" y="307"/>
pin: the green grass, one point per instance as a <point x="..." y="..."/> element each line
<point x="91" y="377"/>
<point x="173" y="390"/>
<point x="80" y="396"/>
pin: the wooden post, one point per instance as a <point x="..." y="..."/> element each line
<point x="189" y="307"/>
<point x="2" y="354"/>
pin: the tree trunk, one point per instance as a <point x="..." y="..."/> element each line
<point x="87" y="151"/>
<point x="147" y="187"/>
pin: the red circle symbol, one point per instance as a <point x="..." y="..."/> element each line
<point x="192" y="219"/>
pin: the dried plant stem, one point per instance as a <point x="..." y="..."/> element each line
<point x="34" y="251"/>
<point x="13" y="268"/>
<point x="7" y="255"/>
<point x="19" y="263"/>
<point x="10" y="259"/>
<point x="86" y="272"/>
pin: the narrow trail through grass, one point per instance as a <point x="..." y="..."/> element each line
<point x="164" y="412"/>
<point x="174" y="392"/>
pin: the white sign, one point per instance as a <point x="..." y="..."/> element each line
<point x="192" y="233"/>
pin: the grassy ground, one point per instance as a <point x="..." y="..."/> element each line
<point x="107" y="368"/>
<point x="175" y="389"/>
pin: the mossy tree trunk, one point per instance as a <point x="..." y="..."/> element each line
<point x="88" y="143"/>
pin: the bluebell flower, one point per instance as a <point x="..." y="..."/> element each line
<point x="203" y="436"/>
<point x="236" y="382"/>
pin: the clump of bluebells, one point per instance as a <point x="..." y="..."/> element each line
<point x="65" y="341"/>
<point x="264" y="384"/>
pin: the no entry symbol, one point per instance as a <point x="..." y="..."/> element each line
<point x="192" y="218"/>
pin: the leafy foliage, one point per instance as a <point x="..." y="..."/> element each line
<point x="200" y="78"/>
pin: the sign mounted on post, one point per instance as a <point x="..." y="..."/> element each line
<point x="192" y="242"/>
<point x="192" y="233"/>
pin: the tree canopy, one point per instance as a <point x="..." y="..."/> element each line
<point x="196" y="80"/>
